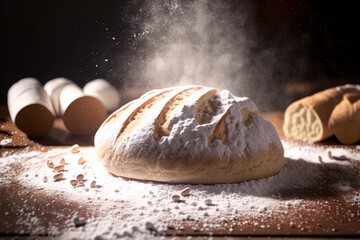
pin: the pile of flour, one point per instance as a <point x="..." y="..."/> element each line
<point x="128" y="208"/>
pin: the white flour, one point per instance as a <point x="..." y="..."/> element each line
<point x="127" y="208"/>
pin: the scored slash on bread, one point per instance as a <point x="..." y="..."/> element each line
<point x="189" y="134"/>
<point x="220" y="131"/>
<point x="135" y="117"/>
<point x="163" y="120"/>
<point x="203" y="114"/>
<point x="204" y="111"/>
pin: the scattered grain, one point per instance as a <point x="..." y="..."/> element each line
<point x="207" y="202"/>
<point x="93" y="184"/>
<point x="62" y="161"/>
<point x="320" y="159"/>
<point x="59" y="168"/>
<point x="175" y="197"/>
<point x="185" y="192"/>
<point x="58" y="176"/>
<point x="50" y="164"/>
<point x="75" y="148"/>
<point x="80" y="177"/>
<point x="73" y="182"/>
<point x="329" y="154"/>
<point x="81" y="160"/>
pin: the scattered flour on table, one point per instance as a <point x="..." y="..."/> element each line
<point x="128" y="208"/>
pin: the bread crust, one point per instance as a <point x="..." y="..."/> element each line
<point x="202" y="171"/>
<point x="308" y="118"/>
<point x="345" y="119"/>
<point x="207" y="137"/>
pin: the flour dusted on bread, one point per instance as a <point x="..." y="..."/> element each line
<point x="189" y="134"/>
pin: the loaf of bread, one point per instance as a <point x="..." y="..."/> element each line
<point x="189" y="134"/>
<point x="308" y="118"/>
<point x="345" y="119"/>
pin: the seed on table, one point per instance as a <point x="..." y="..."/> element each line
<point x="73" y="182"/>
<point x="75" y="148"/>
<point x="185" y="192"/>
<point x="50" y="164"/>
<point x="59" y="168"/>
<point x="329" y="154"/>
<point x="58" y="176"/>
<point x="207" y="202"/>
<point x="80" y="177"/>
<point x="320" y="159"/>
<point x="175" y="198"/>
<point x="93" y="184"/>
<point x="62" y="161"/>
<point x="45" y="179"/>
<point x="81" y="160"/>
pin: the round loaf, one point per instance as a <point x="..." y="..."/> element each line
<point x="189" y="134"/>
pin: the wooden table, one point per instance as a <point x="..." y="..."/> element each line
<point x="13" y="196"/>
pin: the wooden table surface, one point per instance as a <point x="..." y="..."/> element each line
<point x="327" y="222"/>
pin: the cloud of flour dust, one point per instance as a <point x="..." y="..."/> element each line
<point x="212" y="43"/>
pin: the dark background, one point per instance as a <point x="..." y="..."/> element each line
<point x="74" y="39"/>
